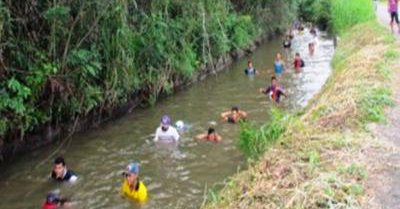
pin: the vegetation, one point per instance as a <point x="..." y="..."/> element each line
<point x="317" y="162"/>
<point x="254" y="141"/>
<point x="63" y="60"/>
<point x="336" y="15"/>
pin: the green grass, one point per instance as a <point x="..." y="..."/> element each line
<point x="253" y="142"/>
<point x="347" y="13"/>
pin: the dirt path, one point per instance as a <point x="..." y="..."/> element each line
<point x="385" y="182"/>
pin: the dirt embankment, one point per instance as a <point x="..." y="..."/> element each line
<point x="328" y="156"/>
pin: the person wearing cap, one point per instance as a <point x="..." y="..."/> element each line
<point x="54" y="201"/>
<point x="166" y="133"/>
<point x="132" y="187"/>
<point x="60" y="172"/>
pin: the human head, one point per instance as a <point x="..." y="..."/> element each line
<point x="59" y="166"/>
<point x="273" y="80"/>
<point x="235" y="109"/>
<point x="297" y="55"/>
<point x="210" y="131"/>
<point x="278" y="56"/>
<point x="165" y="122"/>
<point x="132" y="173"/>
<point x="53" y="198"/>
<point x="250" y="64"/>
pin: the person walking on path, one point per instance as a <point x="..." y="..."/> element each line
<point x="394" y="16"/>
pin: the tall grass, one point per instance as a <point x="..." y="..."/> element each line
<point x="254" y="141"/>
<point x="347" y="13"/>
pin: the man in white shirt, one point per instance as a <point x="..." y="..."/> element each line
<point x="166" y="133"/>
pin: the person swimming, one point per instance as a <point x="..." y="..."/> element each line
<point x="274" y="91"/>
<point x="165" y="132"/>
<point x="287" y="44"/>
<point x="279" y="65"/>
<point x="211" y="136"/>
<point x="298" y="63"/>
<point x="234" y="116"/>
<point x="54" y="201"/>
<point x="60" y="172"/>
<point x="250" y="70"/>
<point x="132" y="187"/>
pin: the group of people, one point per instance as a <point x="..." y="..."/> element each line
<point x="131" y="187"/>
<point x="135" y="189"/>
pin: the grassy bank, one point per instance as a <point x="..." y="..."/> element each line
<point x="322" y="159"/>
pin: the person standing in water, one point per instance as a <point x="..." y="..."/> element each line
<point x="60" y="172"/>
<point x="274" y="91"/>
<point x="211" y="136"/>
<point x="166" y="133"/>
<point x="394" y="16"/>
<point x="132" y="187"/>
<point x="298" y="63"/>
<point x="279" y="65"/>
<point x="250" y="70"/>
<point x="55" y="201"/>
<point x="234" y="116"/>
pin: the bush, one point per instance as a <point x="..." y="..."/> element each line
<point x="253" y="142"/>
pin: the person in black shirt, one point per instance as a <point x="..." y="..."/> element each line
<point x="61" y="173"/>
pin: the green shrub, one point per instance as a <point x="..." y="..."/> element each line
<point x="253" y="142"/>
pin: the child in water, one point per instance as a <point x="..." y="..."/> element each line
<point x="211" y="136"/>
<point x="54" y="201"/>
<point x="298" y="63"/>
<point x="250" y="70"/>
<point x="234" y="116"/>
<point x="279" y="65"/>
<point x="274" y="91"/>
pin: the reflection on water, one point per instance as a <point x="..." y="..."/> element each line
<point x="176" y="176"/>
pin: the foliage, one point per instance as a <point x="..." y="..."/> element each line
<point x="346" y="14"/>
<point x="254" y="142"/>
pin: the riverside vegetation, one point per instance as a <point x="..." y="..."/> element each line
<point x="321" y="158"/>
<point x="61" y="61"/>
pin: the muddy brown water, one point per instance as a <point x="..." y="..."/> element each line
<point x="176" y="176"/>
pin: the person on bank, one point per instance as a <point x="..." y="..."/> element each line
<point x="132" y="187"/>
<point x="234" y="116"/>
<point x="211" y="136"/>
<point x="298" y="63"/>
<point x="61" y="173"/>
<point x="250" y="70"/>
<point x="394" y="15"/>
<point x="274" y="91"/>
<point x="54" y="201"/>
<point x="279" y="65"/>
<point x="166" y="133"/>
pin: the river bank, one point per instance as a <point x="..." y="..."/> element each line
<point x="48" y="134"/>
<point x="324" y="157"/>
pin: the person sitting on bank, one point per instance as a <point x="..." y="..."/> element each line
<point x="234" y="116"/>
<point x="211" y="136"/>
<point x="250" y="70"/>
<point x="166" y="133"/>
<point x="60" y="172"/>
<point x="132" y="187"/>
<point x="274" y="91"/>
<point x="54" y="201"/>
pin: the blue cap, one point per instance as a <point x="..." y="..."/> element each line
<point x="132" y="168"/>
<point x="166" y="120"/>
